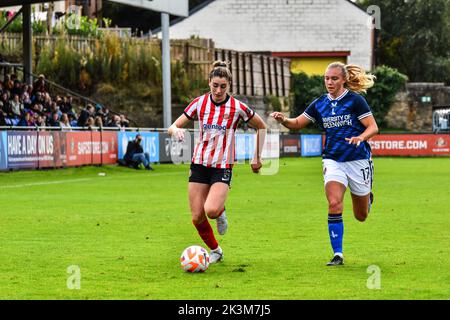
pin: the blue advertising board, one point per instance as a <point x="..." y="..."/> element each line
<point x="245" y="146"/>
<point x="3" y="151"/>
<point x="150" y="143"/>
<point x="311" y="145"/>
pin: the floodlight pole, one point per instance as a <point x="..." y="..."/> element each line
<point x="167" y="109"/>
<point x="27" y="44"/>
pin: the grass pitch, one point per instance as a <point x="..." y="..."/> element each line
<point x="125" y="230"/>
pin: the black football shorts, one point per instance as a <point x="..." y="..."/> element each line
<point x="201" y="174"/>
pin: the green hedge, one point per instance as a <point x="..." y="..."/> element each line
<point x="380" y="97"/>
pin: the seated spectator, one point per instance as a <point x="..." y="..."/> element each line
<point x="72" y="119"/>
<point x="39" y="85"/>
<point x="98" y="122"/>
<point x="66" y="106"/>
<point x="116" y="122"/>
<point x="17" y="99"/>
<point x="41" y="121"/>
<point x="16" y="107"/>
<point x="135" y="155"/>
<point x="86" y="113"/>
<point x="124" y="121"/>
<point x="90" y="122"/>
<point x="2" y="118"/>
<point x="17" y="89"/>
<point x="53" y="121"/>
<point x="7" y="83"/>
<point x="64" y="122"/>
<point x="26" y="120"/>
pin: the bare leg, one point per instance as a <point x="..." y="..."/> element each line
<point x="335" y="195"/>
<point x="215" y="201"/>
<point x="198" y="192"/>
<point x="361" y="206"/>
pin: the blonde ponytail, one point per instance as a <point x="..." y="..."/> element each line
<point x="356" y="78"/>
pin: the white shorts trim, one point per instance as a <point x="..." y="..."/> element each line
<point x="357" y="175"/>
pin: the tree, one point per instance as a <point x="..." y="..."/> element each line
<point x="415" y="37"/>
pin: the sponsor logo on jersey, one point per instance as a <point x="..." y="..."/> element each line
<point x="214" y="127"/>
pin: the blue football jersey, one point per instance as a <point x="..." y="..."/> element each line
<point x="340" y="119"/>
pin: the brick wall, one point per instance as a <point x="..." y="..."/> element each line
<point x="283" y="25"/>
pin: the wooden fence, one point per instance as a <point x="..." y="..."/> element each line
<point x="253" y="74"/>
<point x="257" y="74"/>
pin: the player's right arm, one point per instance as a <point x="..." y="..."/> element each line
<point x="176" y="129"/>
<point x="291" y="123"/>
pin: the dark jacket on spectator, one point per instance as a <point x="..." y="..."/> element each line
<point x="132" y="148"/>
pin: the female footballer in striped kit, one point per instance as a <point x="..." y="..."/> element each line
<point x="348" y="123"/>
<point x="218" y="115"/>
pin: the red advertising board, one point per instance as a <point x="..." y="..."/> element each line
<point x="91" y="148"/>
<point x="410" y="145"/>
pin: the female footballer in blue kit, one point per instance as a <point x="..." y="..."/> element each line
<point x="348" y="123"/>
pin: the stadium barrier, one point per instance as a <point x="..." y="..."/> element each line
<point x="36" y="148"/>
<point x="410" y="145"/>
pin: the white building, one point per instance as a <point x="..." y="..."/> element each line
<point x="312" y="33"/>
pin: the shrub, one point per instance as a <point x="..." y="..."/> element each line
<point x="381" y="96"/>
<point x="305" y="89"/>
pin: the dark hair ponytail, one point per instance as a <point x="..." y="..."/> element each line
<point x="220" y="69"/>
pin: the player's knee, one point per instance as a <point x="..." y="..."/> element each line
<point x="361" y="216"/>
<point x="335" y="206"/>
<point x="212" y="211"/>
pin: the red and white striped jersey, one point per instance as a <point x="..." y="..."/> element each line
<point x="218" y="123"/>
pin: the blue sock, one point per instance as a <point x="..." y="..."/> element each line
<point x="336" y="231"/>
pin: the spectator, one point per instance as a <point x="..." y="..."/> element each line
<point x="72" y="119"/>
<point x="17" y="88"/>
<point x="17" y="99"/>
<point x="39" y="85"/>
<point x="5" y="101"/>
<point x="124" y="123"/>
<point x="66" y="106"/>
<point x="40" y="120"/>
<point x="90" y="122"/>
<point x="104" y="113"/>
<point x="135" y="155"/>
<point x="2" y="117"/>
<point x="26" y="120"/>
<point x="54" y="120"/>
<point x="16" y="107"/>
<point x="85" y="114"/>
<point x="64" y="122"/>
<point x="116" y="122"/>
<point x="98" y="122"/>
<point x="7" y="83"/>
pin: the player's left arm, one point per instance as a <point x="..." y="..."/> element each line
<point x="371" y="130"/>
<point x="257" y="123"/>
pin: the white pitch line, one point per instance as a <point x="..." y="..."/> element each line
<point x="43" y="183"/>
